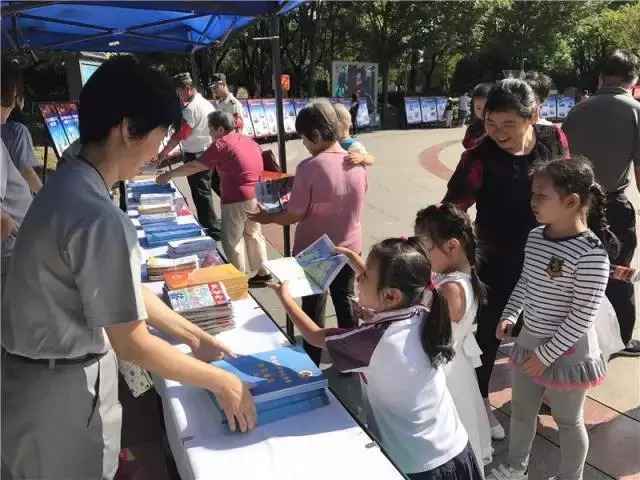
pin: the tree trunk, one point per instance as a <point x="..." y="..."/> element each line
<point x="411" y="81"/>
<point x="385" y="91"/>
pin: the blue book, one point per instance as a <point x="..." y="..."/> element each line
<point x="162" y="238"/>
<point x="275" y="410"/>
<point x="277" y="374"/>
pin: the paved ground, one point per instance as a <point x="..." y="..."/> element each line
<point x="411" y="170"/>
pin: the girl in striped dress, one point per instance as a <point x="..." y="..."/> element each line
<point x="560" y="290"/>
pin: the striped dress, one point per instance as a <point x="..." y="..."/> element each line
<point x="559" y="292"/>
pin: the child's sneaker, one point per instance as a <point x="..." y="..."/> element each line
<point x="507" y="473"/>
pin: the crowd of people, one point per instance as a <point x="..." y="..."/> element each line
<point x="534" y="266"/>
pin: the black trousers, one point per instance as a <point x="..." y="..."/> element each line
<point x="461" y="467"/>
<point x="341" y="289"/>
<point x="500" y="274"/>
<point x="201" y="185"/>
<point x="622" y="218"/>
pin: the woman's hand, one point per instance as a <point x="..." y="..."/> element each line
<point x="163" y="178"/>
<point x="209" y="348"/>
<point x="533" y="366"/>
<point x="504" y="329"/>
<point x="236" y="401"/>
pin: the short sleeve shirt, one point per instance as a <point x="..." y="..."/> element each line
<point x="17" y="139"/>
<point x="15" y="196"/>
<point x="409" y="399"/>
<point x="329" y="193"/>
<point x="238" y="160"/>
<point x="196" y="115"/>
<point x="75" y="269"/>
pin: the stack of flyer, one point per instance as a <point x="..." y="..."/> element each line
<point x="156" y="208"/>
<point x="283" y="382"/>
<point x="207" y="306"/>
<point x="158" y="266"/>
<point x="236" y="283"/>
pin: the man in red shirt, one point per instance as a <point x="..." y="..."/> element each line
<point x="238" y="161"/>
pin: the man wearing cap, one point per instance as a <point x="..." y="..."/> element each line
<point x="194" y="138"/>
<point x="226" y="101"/>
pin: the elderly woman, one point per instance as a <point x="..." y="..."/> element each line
<point x="495" y="176"/>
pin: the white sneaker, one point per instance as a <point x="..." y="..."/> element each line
<point x="497" y="432"/>
<point x="507" y="473"/>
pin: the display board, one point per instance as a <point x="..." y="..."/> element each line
<point x="68" y="113"/>
<point x="412" y="110"/>
<point x="362" y="118"/>
<point x="258" y="118"/>
<point x="441" y="105"/>
<point x="429" y="109"/>
<point x="55" y="128"/>
<point x="358" y="78"/>
<point x="289" y="113"/>
<point x="300" y="103"/>
<point x="88" y="68"/>
<point x="247" y="128"/>
<point x="565" y="104"/>
<point x="269" y="105"/>
<point x="549" y="109"/>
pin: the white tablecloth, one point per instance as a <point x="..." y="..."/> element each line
<point x="323" y="444"/>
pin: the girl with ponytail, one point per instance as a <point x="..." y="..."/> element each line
<point x="400" y="349"/>
<point x="448" y="236"/>
<point x="561" y="350"/>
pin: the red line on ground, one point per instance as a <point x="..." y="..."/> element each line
<point x="429" y="159"/>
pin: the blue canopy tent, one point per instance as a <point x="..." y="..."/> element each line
<point x="143" y="27"/>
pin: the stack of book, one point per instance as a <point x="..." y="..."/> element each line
<point x="158" y="266"/>
<point x="160" y="234"/>
<point x="207" y="306"/>
<point x="153" y="218"/>
<point x="283" y="382"/>
<point x="149" y="186"/>
<point x="236" y="283"/>
<point x="188" y="246"/>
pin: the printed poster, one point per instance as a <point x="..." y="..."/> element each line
<point x="270" y="112"/>
<point x="258" y="118"/>
<point x="289" y="112"/>
<point x="68" y="113"/>
<point x="565" y="104"/>
<point x="412" y="110"/>
<point x="54" y="126"/>
<point x="362" y="118"/>
<point x="429" y="109"/>
<point x="441" y="105"/>
<point x="549" y="109"/>
<point x="300" y="103"/>
<point x="247" y="128"/>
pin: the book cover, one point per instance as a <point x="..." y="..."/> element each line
<point x="55" y="128"/>
<point x="276" y="374"/>
<point x="198" y="298"/>
<point x="163" y="237"/>
<point x="273" y="195"/>
<point x="311" y="271"/>
<point x="235" y="282"/>
<point x="68" y="113"/>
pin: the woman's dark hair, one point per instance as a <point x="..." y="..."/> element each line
<point x="222" y="119"/>
<point x="575" y="176"/>
<point x="318" y="121"/>
<point x="621" y="64"/>
<point x="480" y="91"/>
<point x="404" y="264"/>
<point x="125" y="88"/>
<point x="540" y="84"/>
<point x="512" y="95"/>
<point x="444" y="222"/>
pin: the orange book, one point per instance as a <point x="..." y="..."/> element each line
<point x="233" y="279"/>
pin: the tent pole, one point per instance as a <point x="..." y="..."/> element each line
<point x="282" y="152"/>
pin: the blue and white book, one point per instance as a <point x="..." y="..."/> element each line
<point x="162" y="237"/>
<point x="276" y="374"/>
<point x="311" y="271"/>
<point x="283" y="382"/>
